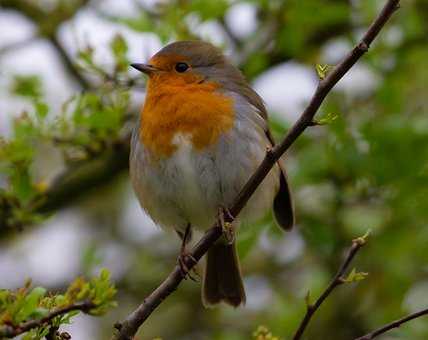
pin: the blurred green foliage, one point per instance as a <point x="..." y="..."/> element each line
<point x="364" y="168"/>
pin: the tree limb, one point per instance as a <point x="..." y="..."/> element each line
<point x="129" y="327"/>
<point x="12" y="331"/>
<point x="77" y="181"/>
<point x="83" y="178"/>
<point x="338" y="280"/>
<point x="392" y="325"/>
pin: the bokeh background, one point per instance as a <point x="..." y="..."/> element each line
<point x="68" y="100"/>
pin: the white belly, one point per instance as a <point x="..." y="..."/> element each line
<point x="191" y="185"/>
<point x="194" y="180"/>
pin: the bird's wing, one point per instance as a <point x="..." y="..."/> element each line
<point x="283" y="203"/>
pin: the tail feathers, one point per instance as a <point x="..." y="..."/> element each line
<point x="222" y="278"/>
<point x="283" y="204"/>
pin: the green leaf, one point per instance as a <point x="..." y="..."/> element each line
<point x="102" y="293"/>
<point x="119" y="46"/>
<point x="355" y="276"/>
<point x="29" y="304"/>
<point x="328" y="119"/>
<point x="28" y="86"/>
<point x="322" y="70"/>
<point x="21" y="184"/>
<point x="42" y="110"/>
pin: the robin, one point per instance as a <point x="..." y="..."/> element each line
<point x="201" y="134"/>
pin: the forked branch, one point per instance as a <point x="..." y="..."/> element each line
<point x="128" y="328"/>
<point x="338" y="279"/>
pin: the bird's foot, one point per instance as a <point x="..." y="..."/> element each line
<point x="182" y="260"/>
<point x="226" y="221"/>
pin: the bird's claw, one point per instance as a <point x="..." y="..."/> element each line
<point x="227" y="226"/>
<point x="229" y="232"/>
<point x="184" y="269"/>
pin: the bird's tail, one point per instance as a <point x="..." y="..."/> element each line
<point x="222" y="278"/>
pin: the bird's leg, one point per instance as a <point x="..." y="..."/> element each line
<point x="184" y="254"/>
<point x="227" y="225"/>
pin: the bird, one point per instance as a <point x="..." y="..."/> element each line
<point x="201" y="133"/>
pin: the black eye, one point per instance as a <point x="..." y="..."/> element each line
<point x="181" y="67"/>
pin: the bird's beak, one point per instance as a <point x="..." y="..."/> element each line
<point x="145" y="68"/>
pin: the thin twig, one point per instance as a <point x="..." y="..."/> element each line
<point x="130" y="325"/>
<point x="392" y="325"/>
<point x="12" y="330"/>
<point x="338" y="280"/>
<point x="68" y="63"/>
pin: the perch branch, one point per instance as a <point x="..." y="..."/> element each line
<point x="392" y="325"/>
<point x="129" y="327"/>
<point x="12" y="330"/>
<point x="338" y="280"/>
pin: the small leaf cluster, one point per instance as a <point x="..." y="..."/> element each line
<point x="108" y="77"/>
<point x="27" y="304"/>
<point x="322" y="70"/>
<point x="263" y="333"/>
<point x="99" y="290"/>
<point x="17" y="154"/>
<point x="90" y="123"/>
<point x="355" y="276"/>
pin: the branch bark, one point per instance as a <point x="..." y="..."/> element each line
<point x="338" y="280"/>
<point x="129" y="327"/>
<point x="12" y="331"/>
<point x="392" y="325"/>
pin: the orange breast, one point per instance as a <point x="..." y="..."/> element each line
<point x="195" y="109"/>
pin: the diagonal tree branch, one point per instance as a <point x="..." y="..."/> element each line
<point x="129" y="327"/>
<point x="13" y="331"/>
<point x="394" y="324"/>
<point x="338" y="280"/>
